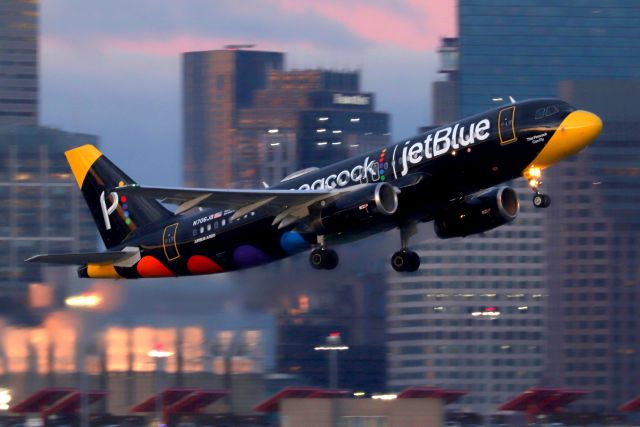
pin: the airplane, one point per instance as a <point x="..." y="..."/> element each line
<point x="453" y="175"/>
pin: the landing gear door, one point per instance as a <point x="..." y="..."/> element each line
<point x="169" y="242"/>
<point x="506" y="125"/>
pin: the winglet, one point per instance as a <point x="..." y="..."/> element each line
<point x="81" y="159"/>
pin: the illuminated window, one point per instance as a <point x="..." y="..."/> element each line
<point x="193" y="341"/>
<point x="117" y="349"/>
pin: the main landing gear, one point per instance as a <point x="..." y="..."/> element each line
<point x="322" y="258"/>
<point x="404" y="259"/>
<point x="540" y="200"/>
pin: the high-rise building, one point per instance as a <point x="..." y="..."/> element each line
<point x="445" y="92"/>
<point x="41" y="207"/>
<point x="522" y="49"/>
<point x="19" y="62"/>
<point x="593" y="245"/>
<point x="215" y="85"/>
<point x="353" y="307"/>
<point x="473" y="316"/>
<point x="307" y="118"/>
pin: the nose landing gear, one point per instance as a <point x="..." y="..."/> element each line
<point x="404" y="259"/>
<point x="540" y="200"/>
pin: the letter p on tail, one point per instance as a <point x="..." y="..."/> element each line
<point x="116" y="219"/>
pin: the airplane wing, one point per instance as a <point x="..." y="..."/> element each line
<point x="288" y="206"/>
<point x="241" y="201"/>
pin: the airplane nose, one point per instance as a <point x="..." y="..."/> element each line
<point x="576" y="131"/>
<point x="581" y="128"/>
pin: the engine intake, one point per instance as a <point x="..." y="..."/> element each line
<point x="356" y="209"/>
<point x="483" y="212"/>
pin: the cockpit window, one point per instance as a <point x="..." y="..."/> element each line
<point x="551" y="110"/>
<point x="539" y="113"/>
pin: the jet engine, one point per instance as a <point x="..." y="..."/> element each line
<point x="362" y="207"/>
<point x="482" y="212"/>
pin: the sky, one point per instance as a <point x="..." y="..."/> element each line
<point x="112" y="68"/>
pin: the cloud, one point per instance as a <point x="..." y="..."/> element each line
<point x="409" y="24"/>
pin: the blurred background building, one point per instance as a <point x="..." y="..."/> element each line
<point x="42" y="212"/>
<point x="593" y="241"/>
<point x="18" y="62"/>
<point x="216" y="84"/>
<point x="306" y="118"/>
<point x="580" y="252"/>
<point x="525" y="50"/>
<point x="354" y="309"/>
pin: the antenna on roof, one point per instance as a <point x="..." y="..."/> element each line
<point x="513" y="101"/>
<point x="239" y="46"/>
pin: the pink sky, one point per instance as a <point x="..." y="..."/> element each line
<point x="412" y="25"/>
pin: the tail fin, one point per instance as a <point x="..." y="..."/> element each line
<point x="115" y="218"/>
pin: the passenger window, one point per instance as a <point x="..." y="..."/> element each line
<point x="539" y="113"/>
<point x="551" y="110"/>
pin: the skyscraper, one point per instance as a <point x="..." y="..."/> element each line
<point x="593" y="246"/>
<point x="41" y="207"/>
<point x="306" y="118"/>
<point x="215" y="85"/>
<point x="19" y="62"/>
<point x="524" y="50"/>
<point x="473" y="316"/>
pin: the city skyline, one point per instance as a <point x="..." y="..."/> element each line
<point x="101" y="68"/>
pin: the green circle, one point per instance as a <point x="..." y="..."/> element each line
<point x="127" y="221"/>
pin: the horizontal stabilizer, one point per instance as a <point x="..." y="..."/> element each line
<point x="99" y="258"/>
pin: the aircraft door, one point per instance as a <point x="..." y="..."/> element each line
<point x="169" y="242"/>
<point x="506" y="125"/>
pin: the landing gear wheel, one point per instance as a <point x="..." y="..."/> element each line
<point x="405" y="261"/>
<point x="323" y="258"/>
<point x="541" y="200"/>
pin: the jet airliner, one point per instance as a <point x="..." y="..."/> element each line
<point x="452" y="175"/>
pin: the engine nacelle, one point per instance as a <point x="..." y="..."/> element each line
<point x="485" y="211"/>
<point x="360" y="208"/>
